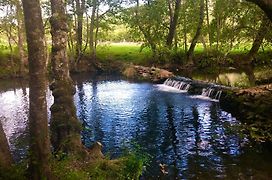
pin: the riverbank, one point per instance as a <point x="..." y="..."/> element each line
<point x="252" y="106"/>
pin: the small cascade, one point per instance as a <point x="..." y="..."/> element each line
<point x="218" y="95"/>
<point x="211" y="93"/>
<point x="198" y="89"/>
<point x="178" y="84"/>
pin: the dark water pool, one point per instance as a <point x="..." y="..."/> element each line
<point x="195" y="138"/>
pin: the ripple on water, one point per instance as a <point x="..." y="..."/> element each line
<point x="194" y="137"/>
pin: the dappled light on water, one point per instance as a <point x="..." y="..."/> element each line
<point x="192" y="137"/>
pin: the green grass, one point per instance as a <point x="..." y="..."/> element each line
<point x="123" y="52"/>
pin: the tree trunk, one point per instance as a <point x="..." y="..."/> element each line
<point x="208" y="23"/>
<point x="64" y="125"/>
<point x="96" y="29"/>
<point x="218" y="24"/>
<point x="146" y="34"/>
<point x="173" y="23"/>
<point x="92" y="25"/>
<point x="80" y="8"/>
<point x="5" y="155"/>
<point x="21" y="38"/>
<point x="38" y="122"/>
<point x="265" y="5"/>
<point x="203" y="43"/>
<point x="197" y="34"/>
<point x="259" y="39"/>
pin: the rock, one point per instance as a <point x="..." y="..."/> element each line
<point x="95" y="151"/>
<point x="146" y="73"/>
<point x="252" y="106"/>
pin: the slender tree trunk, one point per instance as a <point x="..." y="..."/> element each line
<point x="96" y="29"/>
<point x="185" y="29"/>
<point x="9" y="34"/>
<point x="5" y="155"/>
<point x="203" y="43"/>
<point x="38" y="122"/>
<point x="218" y="24"/>
<point x="176" y="42"/>
<point x="185" y="42"/>
<point x="208" y="23"/>
<point x="80" y="8"/>
<point x="259" y="38"/>
<point x="146" y="34"/>
<point x="173" y="24"/>
<point x="65" y="127"/>
<point x="197" y="34"/>
<point x="21" y="39"/>
<point x="92" y="25"/>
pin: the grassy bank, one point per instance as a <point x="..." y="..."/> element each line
<point x="129" y="166"/>
<point x="114" y="53"/>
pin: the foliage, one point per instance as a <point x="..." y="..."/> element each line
<point x="16" y="172"/>
<point x="129" y="166"/>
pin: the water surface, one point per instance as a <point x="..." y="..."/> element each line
<point x="195" y="138"/>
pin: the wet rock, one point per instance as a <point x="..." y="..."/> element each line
<point x="252" y="106"/>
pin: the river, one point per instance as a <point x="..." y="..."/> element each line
<point x="194" y="137"/>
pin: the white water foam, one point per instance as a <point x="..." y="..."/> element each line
<point x="163" y="87"/>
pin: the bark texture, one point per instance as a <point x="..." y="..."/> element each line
<point x="92" y="28"/>
<point x="5" y="155"/>
<point x="21" y="38"/>
<point x="197" y="34"/>
<point x="38" y="122"/>
<point x="259" y="39"/>
<point x="80" y="7"/>
<point x="65" y="127"/>
<point x="173" y="22"/>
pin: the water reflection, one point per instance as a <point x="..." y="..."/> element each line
<point x="14" y="104"/>
<point x="193" y="137"/>
<point x="242" y="77"/>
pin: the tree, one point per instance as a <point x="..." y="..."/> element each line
<point x="174" y="16"/>
<point x="263" y="30"/>
<point x="80" y="9"/>
<point x="197" y="34"/>
<point x="92" y="28"/>
<point x="65" y="127"/>
<point x="265" y="5"/>
<point x="38" y="122"/>
<point x="5" y="155"/>
<point x="21" y="37"/>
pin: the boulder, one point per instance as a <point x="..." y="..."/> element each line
<point x="152" y="74"/>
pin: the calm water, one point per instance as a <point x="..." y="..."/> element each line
<point x="194" y="137"/>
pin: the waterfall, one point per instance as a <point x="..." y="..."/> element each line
<point x="211" y="93"/>
<point x="198" y="89"/>
<point x="178" y="84"/>
<point x="218" y="95"/>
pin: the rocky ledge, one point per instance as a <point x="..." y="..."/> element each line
<point x="152" y="74"/>
<point x="252" y="106"/>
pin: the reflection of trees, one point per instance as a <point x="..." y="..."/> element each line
<point x="96" y="116"/>
<point x="82" y="115"/>
<point x="172" y="135"/>
<point x="89" y="115"/>
<point x="196" y="125"/>
<point x="20" y="137"/>
<point x="147" y="131"/>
